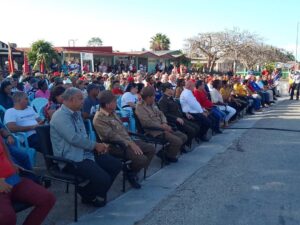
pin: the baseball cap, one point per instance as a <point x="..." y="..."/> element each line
<point x="165" y="86"/>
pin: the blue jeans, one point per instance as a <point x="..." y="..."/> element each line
<point x="20" y="156"/>
<point x="218" y="113"/>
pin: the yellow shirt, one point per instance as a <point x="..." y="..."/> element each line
<point x="226" y="93"/>
<point x="239" y="90"/>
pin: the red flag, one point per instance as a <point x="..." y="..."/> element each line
<point x="42" y="66"/>
<point x="11" y="67"/>
<point x="26" y="64"/>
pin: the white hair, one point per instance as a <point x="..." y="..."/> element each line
<point x="70" y="92"/>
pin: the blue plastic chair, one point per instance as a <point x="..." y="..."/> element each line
<point x="38" y="105"/>
<point x="126" y="112"/>
<point x="89" y="129"/>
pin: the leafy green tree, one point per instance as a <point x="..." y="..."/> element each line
<point x="270" y="67"/>
<point x="42" y="51"/>
<point x="95" y="42"/>
<point x="160" y="42"/>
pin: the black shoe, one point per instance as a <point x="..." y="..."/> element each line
<point x="204" y="139"/>
<point x="133" y="180"/>
<point x="160" y="154"/>
<point x="218" y="132"/>
<point x="94" y="202"/>
<point x="171" y="160"/>
<point x="183" y="150"/>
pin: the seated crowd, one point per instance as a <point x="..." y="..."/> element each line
<point x="177" y="108"/>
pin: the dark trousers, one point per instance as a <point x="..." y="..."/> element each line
<point x="189" y="128"/>
<point x="297" y="88"/>
<point x="33" y="142"/>
<point x="204" y="122"/>
<point x="26" y="192"/>
<point x="238" y="107"/>
<point x="215" y="121"/>
<point x="101" y="173"/>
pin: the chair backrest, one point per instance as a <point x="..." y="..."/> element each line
<point x="38" y="104"/>
<point x="43" y="133"/>
<point x="89" y="129"/>
<point x="138" y="124"/>
<point x="42" y="113"/>
<point x="119" y="100"/>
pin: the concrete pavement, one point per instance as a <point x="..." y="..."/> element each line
<point x="160" y="192"/>
<point x="255" y="181"/>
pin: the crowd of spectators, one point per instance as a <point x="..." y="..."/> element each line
<point x="177" y="106"/>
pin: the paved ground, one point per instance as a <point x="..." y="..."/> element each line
<point x="256" y="181"/>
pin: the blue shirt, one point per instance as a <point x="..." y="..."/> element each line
<point x="255" y="86"/>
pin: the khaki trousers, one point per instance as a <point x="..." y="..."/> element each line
<point x="138" y="161"/>
<point x="177" y="139"/>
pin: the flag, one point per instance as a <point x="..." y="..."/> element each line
<point x="26" y="64"/>
<point x="11" y="67"/>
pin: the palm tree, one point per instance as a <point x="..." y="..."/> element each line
<point x="41" y="52"/>
<point x="160" y="42"/>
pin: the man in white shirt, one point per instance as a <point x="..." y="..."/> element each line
<point x="193" y="110"/>
<point x="296" y="85"/>
<point x="22" y="118"/>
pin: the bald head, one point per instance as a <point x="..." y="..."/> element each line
<point x="190" y="85"/>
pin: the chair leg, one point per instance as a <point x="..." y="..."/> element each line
<point x="163" y="157"/>
<point x="67" y="188"/>
<point x="124" y="176"/>
<point x="75" y="202"/>
<point x="145" y="173"/>
<point x="123" y="181"/>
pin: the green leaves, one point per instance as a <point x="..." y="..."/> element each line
<point x="42" y="51"/>
<point x="95" y="42"/>
<point x="160" y="42"/>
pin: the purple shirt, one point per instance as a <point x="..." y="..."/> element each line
<point x="41" y="94"/>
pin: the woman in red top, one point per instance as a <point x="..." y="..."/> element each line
<point x="15" y="188"/>
<point x="116" y="89"/>
<point x="202" y="97"/>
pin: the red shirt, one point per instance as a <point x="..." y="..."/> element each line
<point x="117" y="91"/>
<point x="250" y="87"/>
<point x="6" y="167"/>
<point x="202" y="98"/>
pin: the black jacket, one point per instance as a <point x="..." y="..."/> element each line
<point x="170" y="108"/>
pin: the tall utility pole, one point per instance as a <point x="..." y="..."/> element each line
<point x="297" y="43"/>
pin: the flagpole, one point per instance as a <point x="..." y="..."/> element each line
<point x="297" y="43"/>
<point x="11" y="67"/>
